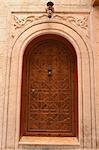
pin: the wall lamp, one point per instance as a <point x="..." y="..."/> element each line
<point x="50" y="9"/>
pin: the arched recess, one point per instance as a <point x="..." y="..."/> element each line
<point x="81" y="45"/>
<point x="49" y="95"/>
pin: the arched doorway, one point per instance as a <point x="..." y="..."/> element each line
<point x="49" y="105"/>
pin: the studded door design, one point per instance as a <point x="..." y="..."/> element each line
<point x="49" y="92"/>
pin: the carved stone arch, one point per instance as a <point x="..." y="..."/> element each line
<point x="85" y="78"/>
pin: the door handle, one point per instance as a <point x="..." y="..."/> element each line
<point x="49" y="70"/>
<point x="33" y="90"/>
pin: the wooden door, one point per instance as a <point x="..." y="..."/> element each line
<point x="49" y="90"/>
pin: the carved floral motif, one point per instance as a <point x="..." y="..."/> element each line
<point x="81" y="22"/>
<point x="21" y="21"/>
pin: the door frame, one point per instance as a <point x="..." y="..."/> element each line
<point x="85" y="64"/>
<point x="39" y="41"/>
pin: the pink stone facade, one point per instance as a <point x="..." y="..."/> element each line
<point x="21" y="21"/>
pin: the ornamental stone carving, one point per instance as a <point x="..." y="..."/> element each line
<point x="21" y="21"/>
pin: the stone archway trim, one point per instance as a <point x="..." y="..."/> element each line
<point x="85" y="76"/>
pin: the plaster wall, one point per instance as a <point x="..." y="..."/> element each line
<point x="76" y="10"/>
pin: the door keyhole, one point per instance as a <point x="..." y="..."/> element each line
<point x="49" y="70"/>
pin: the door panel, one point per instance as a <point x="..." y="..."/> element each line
<point x="49" y="87"/>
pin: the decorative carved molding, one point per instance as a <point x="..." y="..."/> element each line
<point x="22" y="21"/>
<point x="81" y="22"/>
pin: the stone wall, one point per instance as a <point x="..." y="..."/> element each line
<point x="43" y="2"/>
<point x="77" y="11"/>
<point x="95" y="45"/>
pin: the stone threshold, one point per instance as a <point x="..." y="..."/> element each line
<point x="68" y="141"/>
